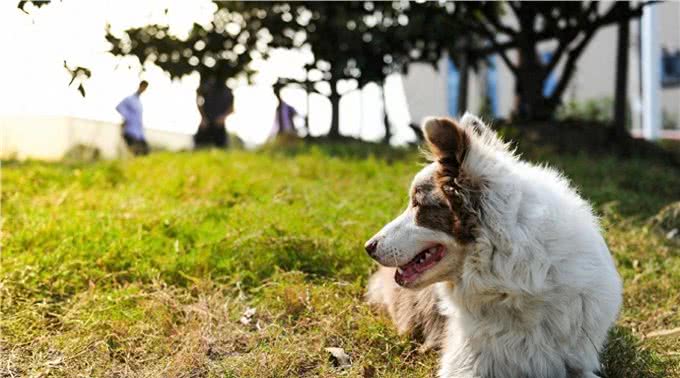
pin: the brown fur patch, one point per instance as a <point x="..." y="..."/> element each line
<point x="414" y="312"/>
<point x="436" y="218"/>
<point x="463" y="194"/>
<point x="449" y="143"/>
<point x="431" y="207"/>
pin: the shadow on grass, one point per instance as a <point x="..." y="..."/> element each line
<point x="623" y="356"/>
<point x="344" y="148"/>
<point x="573" y="137"/>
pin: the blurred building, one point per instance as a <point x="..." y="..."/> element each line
<point x="432" y="91"/>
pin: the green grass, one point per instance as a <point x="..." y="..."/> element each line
<point x="143" y="267"/>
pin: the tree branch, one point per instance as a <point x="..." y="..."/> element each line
<point x="570" y="66"/>
<point x="492" y="39"/>
<point x="515" y="8"/>
<point x="592" y="7"/>
<point x="617" y="13"/>
<point x="548" y="35"/>
<point x="588" y="27"/>
<point x="491" y="17"/>
<point x="557" y="55"/>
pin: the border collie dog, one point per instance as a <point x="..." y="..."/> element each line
<point x="498" y="262"/>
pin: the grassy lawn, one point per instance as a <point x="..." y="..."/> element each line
<point x="145" y="267"/>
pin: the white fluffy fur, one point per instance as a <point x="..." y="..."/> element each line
<point x="538" y="289"/>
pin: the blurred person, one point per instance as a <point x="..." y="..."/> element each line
<point x="215" y="102"/>
<point x="131" y="111"/>
<point x="283" y="120"/>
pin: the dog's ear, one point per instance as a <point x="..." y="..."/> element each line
<point x="475" y="123"/>
<point x="446" y="139"/>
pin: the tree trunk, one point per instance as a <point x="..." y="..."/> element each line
<point x="334" y="132"/>
<point x="621" y="85"/>
<point x="361" y="113"/>
<point x="307" y="115"/>
<point x="531" y="73"/>
<point x="308" y="93"/>
<point x="386" y="119"/>
<point x="532" y="104"/>
<point x="463" y="79"/>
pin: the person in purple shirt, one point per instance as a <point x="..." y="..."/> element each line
<point x="283" y="121"/>
<point x="285" y="115"/>
<point x="131" y="111"/>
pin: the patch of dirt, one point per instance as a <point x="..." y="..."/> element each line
<point x="667" y="221"/>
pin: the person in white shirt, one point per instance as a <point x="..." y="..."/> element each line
<point x="131" y="111"/>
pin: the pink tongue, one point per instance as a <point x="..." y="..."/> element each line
<point x="412" y="269"/>
<point x="409" y="272"/>
<point x="406" y="276"/>
<point x="427" y="264"/>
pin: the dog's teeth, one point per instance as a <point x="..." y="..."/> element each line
<point x="400" y="270"/>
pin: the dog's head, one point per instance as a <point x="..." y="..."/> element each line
<point x="427" y="243"/>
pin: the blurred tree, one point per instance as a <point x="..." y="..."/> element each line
<point x="571" y="25"/>
<point x="450" y="32"/>
<point x="619" y="131"/>
<point x="348" y="41"/>
<point x="222" y="49"/>
<point x="366" y="41"/>
<point x="330" y="32"/>
<point x="363" y="42"/>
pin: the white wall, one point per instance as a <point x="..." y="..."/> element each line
<point x="50" y="138"/>
<point x="669" y="24"/>
<point x="425" y="90"/>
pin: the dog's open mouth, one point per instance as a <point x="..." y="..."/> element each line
<point x="418" y="265"/>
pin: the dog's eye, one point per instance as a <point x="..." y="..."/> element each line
<point x="448" y="189"/>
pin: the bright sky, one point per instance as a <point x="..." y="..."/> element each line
<point x="34" y="81"/>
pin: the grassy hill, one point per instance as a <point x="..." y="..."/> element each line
<point x="145" y="267"/>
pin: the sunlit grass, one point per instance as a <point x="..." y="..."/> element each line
<point x="144" y="267"/>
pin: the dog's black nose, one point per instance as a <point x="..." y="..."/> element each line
<point x="370" y="246"/>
